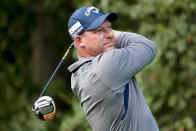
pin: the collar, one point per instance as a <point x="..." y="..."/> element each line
<point x="78" y="64"/>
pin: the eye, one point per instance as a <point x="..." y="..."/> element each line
<point x="98" y="30"/>
<point x="109" y="27"/>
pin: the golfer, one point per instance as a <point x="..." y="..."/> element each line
<point x="103" y="77"/>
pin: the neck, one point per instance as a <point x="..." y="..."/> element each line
<point x="82" y="55"/>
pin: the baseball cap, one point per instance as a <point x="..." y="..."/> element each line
<point x="87" y="18"/>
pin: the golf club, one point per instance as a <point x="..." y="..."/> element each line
<point x="44" y="107"/>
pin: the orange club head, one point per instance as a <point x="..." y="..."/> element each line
<point x="44" y="108"/>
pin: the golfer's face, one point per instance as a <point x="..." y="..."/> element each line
<point x="99" y="40"/>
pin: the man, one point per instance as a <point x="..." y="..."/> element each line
<point x="103" y="78"/>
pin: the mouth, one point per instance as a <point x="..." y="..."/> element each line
<point x="109" y="43"/>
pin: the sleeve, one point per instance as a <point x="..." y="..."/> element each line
<point x="117" y="66"/>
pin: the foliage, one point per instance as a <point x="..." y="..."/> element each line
<point x="76" y="122"/>
<point x="32" y="40"/>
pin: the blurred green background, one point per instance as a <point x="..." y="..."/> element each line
<point x="34" y="37"/>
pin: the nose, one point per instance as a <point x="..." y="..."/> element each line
<point x="109" y="33"/>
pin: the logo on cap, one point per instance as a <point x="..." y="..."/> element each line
<point x="75" y="29"/>
<point x="89" y="9"/>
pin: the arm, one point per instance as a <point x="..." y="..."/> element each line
<point x="134" y="52"/>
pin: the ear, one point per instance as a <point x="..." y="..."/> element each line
<point x="78" y="41"/>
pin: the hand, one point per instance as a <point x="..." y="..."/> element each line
<point x="116" y="35"/>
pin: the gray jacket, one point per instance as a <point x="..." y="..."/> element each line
<point x="107" y="89"/>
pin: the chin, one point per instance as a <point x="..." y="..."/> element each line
<point x="110" y="48"/>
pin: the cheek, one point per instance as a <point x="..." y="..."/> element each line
<point x="96" y="40"/>
<point x="95" y="46"/>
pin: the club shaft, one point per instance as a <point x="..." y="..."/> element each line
<point x="57" y="68"/>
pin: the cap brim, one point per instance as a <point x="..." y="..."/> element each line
<point x="99" y="21"/>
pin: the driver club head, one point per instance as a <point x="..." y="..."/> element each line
<point x="44" y="108"/>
